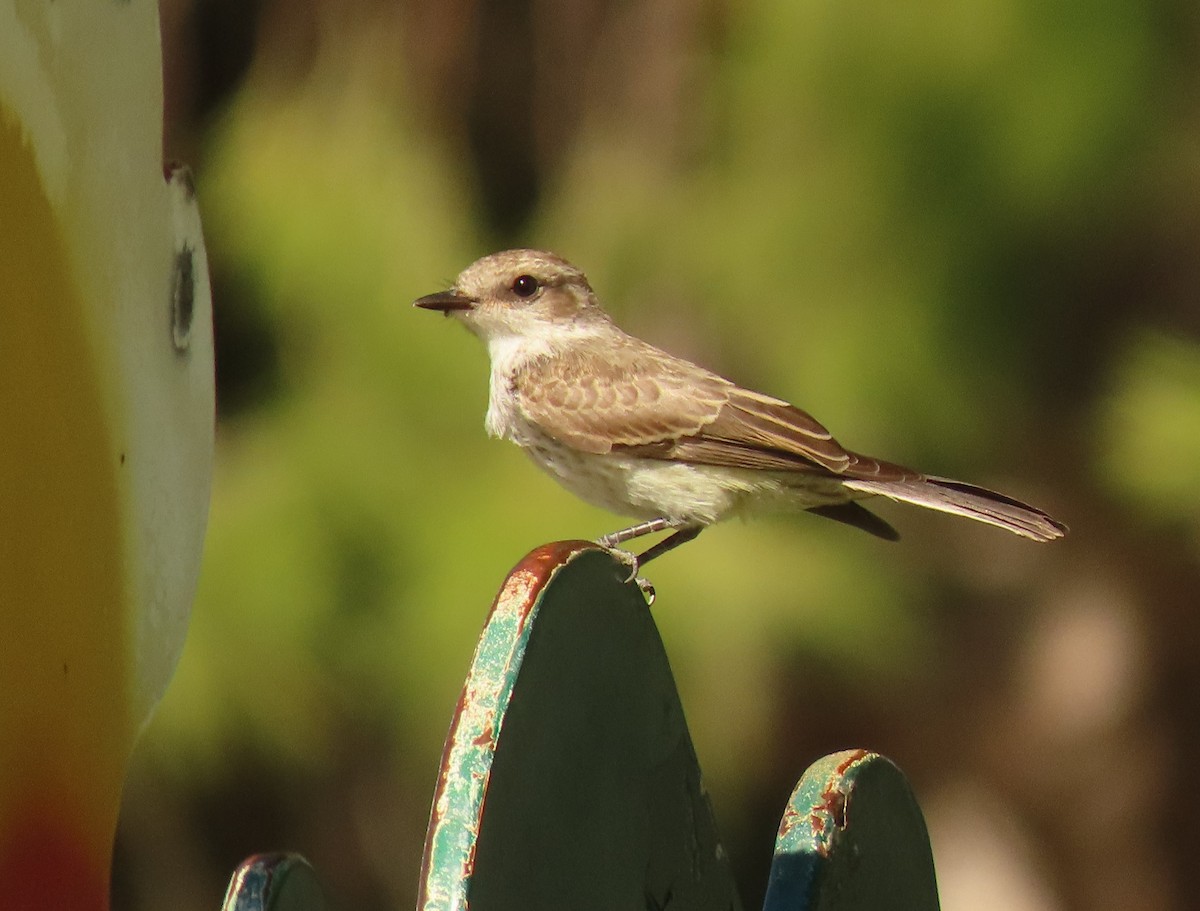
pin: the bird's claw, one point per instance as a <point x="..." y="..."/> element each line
<point x="632" y="561"/>
<point x="647" y="589"/>
<point x="624" y="556"/>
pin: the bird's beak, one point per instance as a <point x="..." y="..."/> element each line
<point x="446" y="301"/>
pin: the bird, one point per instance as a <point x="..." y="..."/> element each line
<point x="642" y="433"/>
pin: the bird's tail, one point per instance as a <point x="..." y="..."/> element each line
<point x="961" y="499"/>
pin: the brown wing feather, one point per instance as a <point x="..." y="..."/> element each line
<point x="777" y="438"/>
<point x="632" y="396"/>
<point x="640" y="401"/>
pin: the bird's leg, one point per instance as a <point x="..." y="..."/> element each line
<point x="610" y="541"/>
<point x="682" y="536"/>
<point x="662" y="523"/>
<point x="686" y="531"/>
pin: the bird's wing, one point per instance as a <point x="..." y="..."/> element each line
<point x="639" y="401"/>
<point x="759" y="427"/>
<point x="628" y="396"/>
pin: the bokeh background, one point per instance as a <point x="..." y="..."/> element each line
<point x="965" y="235"/>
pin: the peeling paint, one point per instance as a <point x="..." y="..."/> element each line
<point x="449" y="857"/>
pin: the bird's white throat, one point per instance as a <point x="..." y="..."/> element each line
<point x="509" y="353"/>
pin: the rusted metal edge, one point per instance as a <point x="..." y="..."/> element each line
<point x="814" y="818"/>
<point x="258" y="882"/>
<point x="454" y="818"/>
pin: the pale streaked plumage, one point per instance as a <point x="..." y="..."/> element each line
<point x="646" y="434"/>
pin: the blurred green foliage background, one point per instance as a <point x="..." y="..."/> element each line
<point x="966" y="236"/>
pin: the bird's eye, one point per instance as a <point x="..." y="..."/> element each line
<point x="525" y="286"/>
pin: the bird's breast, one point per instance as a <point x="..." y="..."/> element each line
<point x="645" y="488"/>
<point x="503" y="416"/>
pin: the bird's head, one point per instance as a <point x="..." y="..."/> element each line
<point x="527" y="294"/>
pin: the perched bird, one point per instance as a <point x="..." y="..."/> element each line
<point x="631" y="428"/>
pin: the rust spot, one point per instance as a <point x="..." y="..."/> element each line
<point x="845" y="764"/>
<point x="833" y="803"/>
<point x="469" y="862"/>
<point x="817" y="822"/>
<point x="484" y="738"/>
<point x="789" y="821"/>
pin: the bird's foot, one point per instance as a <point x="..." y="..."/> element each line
<point x="633" y="562"/>
<point x="629" y="558"/>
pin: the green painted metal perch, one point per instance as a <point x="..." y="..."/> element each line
<point x="569" y="780"/>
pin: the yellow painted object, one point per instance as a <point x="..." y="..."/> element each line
<point x="106" y="429"/>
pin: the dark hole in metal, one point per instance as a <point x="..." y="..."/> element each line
<point x="183" y="299"/>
